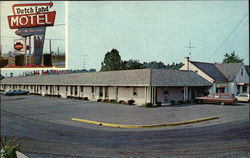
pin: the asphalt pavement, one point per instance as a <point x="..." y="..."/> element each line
<point x="44" y="128"/>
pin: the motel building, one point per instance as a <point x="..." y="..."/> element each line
<point x="142" y="85"/>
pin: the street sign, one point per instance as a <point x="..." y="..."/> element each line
<point x="30" y="31"/>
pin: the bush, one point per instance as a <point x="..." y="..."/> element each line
<point x="99" y="100"/>
<point x="173" y="102"/>
<point x="131" y="102"/>
<point x="85" y="98"/>
<point x="105" y="100"/>
<point x="112" y="101"/>
<point x="180" y="102"/>
<point x="158" y="103"/>
<point x="121" y="102"/>
<point x="10" y="147"/>
<point x="148" y="105"/>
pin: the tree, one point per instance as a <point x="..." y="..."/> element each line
<point x="112" y="61"/>
<point x="154" y="65"/>
<point x="232" y="58"/>
<point x="131" y="64"/>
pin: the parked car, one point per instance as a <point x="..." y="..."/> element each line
<point x="243" y="97"/>
<point x="217" y="98"/>
<point x="16" y="92"/>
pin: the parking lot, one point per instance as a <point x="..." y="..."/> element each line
<point x="44" y="129"/>
<point x="61" y="111"/>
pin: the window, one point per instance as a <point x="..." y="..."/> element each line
<point x="241" y="71"/>
<point x="220" y="90"/>
<point x="244" y="89"/>
<point x="135" y="91"/>
<point x="66" y="88"/>
<point x="243" y="95"/>
<point x="225" y="96"/>
<point x="81" y="88"/>
<point x="58" y="88"/>
<point x="216" y="96"/>
<point x="210" y="96"/>
<point x="93" y="89"/>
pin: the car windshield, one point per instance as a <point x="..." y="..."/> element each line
<point x="242" y="95"/>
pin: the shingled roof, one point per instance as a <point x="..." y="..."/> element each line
<point x="229" y="70"/>
<point x="248" y="69"/>
<point x="211" y="70"/>
<point x="162" y="77"/>
<point x="140" y="77"/>
<point x="116" y="78"/>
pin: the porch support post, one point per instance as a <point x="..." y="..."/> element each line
<point x="185" y="93"/>
<point x="116" y="93"/>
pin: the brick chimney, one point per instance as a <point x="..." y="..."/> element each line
<point x="186" y="62"/>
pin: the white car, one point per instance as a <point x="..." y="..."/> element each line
<point x="243" y="97"/>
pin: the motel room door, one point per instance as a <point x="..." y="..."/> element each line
<point x="106" y="92"/>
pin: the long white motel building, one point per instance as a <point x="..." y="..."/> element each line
<point x="142" y="86"/>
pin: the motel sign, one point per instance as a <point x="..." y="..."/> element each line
<point x="31" y="15"/>
<point x="31" y="19"/>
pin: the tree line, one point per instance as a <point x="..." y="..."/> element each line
<point x="112" y="61"/>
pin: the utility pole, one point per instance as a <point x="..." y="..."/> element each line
<point x="190" y="47"/>
<point x="50" y="46"/>
<point x="58" y="51"/>
<point x="29" y="46"/>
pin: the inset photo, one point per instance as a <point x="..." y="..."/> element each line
<point x="33" y="34"/>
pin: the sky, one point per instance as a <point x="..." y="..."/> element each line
<point x="149" y="30"/>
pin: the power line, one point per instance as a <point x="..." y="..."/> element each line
<point x="230" y="34"/>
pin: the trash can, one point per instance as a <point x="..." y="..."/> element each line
<point x="47" y="60"/>
<point x="19" y="60"/>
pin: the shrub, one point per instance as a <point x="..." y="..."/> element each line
<point x="173" y="102"/>
<point x="148" y="105"/>
<point x="188" y="102"/>
<point x="112" y="101"/>
<point x="99" y="100"/>
<point x="105" y="100"/>
<point x="158" y="103"/>
<point x="121" y="102"/>
<point x="131" y="102"/>
<point x="10" y="147"/>
<point x="180" y="102"/>
<point x="85" y="98"/>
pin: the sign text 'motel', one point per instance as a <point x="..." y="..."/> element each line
<point x="31" y="15"/>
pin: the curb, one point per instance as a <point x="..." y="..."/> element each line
<point x="144" y="126"/>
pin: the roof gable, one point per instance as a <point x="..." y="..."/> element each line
<point x="211" y="70"/>
<point x="229" y="70"/>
